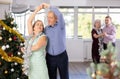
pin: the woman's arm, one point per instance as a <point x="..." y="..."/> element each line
<point x="31" y="18"/>
<point x="41" y="42"/>
<point x="97" y="36"/>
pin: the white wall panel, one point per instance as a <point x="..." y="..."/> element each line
<point x="79" y="50"/>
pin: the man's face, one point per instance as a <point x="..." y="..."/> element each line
<point x="107" y="21"/>
<point x="51" y="17"/>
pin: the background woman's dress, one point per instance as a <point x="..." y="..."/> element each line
<point x="95" y="48"/>
<point x="38" y="67"/>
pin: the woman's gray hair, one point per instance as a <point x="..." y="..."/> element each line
<point x="97" y="20"/>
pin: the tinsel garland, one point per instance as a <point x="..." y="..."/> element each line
<point x="11" y="30"/>
<point x="3" y="53"/>
<point x="10" y="59"/>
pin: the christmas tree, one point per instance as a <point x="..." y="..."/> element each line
<point x="10" y="54"/>
<point x="109" y="68"/>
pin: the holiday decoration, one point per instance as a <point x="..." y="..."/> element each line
<point x="10" y="54"/>
<point x="109" y="68"/>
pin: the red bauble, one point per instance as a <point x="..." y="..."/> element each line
<point x="10" y="54"/>
<point x="14" y="38"/>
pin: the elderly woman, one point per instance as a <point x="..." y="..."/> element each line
<point x="34" y="59"/>
<point x="97" y="37"/>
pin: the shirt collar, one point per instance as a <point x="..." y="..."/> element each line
<point x="53" y="25"/>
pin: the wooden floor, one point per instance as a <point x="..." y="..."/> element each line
<point x="77" y="70"/>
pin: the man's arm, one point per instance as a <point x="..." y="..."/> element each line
<point x="60" y="19"/>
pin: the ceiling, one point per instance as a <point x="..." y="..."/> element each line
<point x="18" y="6"/>
<point x="23" y="5"/>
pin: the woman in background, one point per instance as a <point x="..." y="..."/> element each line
<point x="97" y="37"/>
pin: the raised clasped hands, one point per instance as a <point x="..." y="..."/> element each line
<point x="45" y="5"/>
<point x="42" y="6"/>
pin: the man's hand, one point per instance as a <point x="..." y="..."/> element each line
<point x="105" y="34"/>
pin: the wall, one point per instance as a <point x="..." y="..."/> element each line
<point x="75" y="50"/>
<point x="79" y="50"/>
<point x="85" y="2"/>
<point x="3" y="8"/>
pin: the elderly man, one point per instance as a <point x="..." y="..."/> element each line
<point x="109" y="32"/>
<point x="56" y="56"/>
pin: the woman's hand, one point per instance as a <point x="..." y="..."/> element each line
<point x="38" y="8"/>
<point x="45" y="5"/>
<point x="23" y="49"/>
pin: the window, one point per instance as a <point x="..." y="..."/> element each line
<point x="84" y="22"/>
<point x="84" y="25"/>
<point x="68" y="14"/>
<point x="116" y="22"/>
<point x="101" y="17"/>
<point x="100" y="9"/>
<point x="113" y="9"/>
<point x="85" y="9"/>
<point x="79" y="20"/>
<point x="21" y="20"/>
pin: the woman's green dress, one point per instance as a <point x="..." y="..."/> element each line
<point x="38" y="67"/>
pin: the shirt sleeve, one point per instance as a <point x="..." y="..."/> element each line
<point x="60" y="19"/>
<point x="112" y="35"/>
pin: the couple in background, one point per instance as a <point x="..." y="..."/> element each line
<point x="50" y="39"/>
<point x="101" y="37"/>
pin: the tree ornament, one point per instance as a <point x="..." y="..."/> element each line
<point x="3" y="28"/>
<point x="10" y="54"/>
<point x="14" y="38"/>
<point x="12" y="70"/>
<point x="6" y="72"/>
<point x="2" y="57"/>
<point x="93" y="75"/>
<point x="16" y="63"/>
<point x="19" y="53"/>
<point x="0" y="38"/>
<point x="21" y="44"/>
<point x="7" y="46"/>
<point x="12" y="22"/>
<point x="10" y="39"/>
<point x="14" y="28"/>
<point x="3" y="47"/>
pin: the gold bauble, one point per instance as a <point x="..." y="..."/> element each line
<point x="12" y="22"/>
<point x="6" y="72"/>
<point x="2" y="57"/>
<point x="0" y="38"/>
<point x="10" y="39"/>
<point x="99" y="72"/>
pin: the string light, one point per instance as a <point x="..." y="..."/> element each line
<point x="93" y="75"/>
